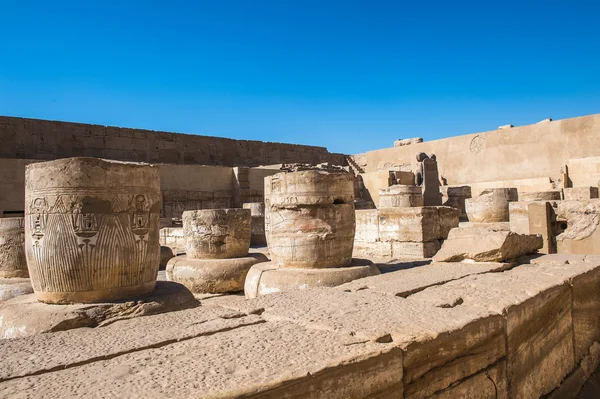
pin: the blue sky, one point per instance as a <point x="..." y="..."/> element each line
<point x="348" y="75"/>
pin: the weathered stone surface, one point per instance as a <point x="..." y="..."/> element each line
<point x="367" y="225"/>
<point x="582" y="235"/>
<point x="586" y="312"/>
<point x="486" y="245"/>
<point x="371" y="250"/>
<point x="24" y="316"/>
<point x="217" y="233"/>
<point x="519" y="217"/>
<point x="448" y="218"/>
<point x="403" y="142"/>
<point x="490" y="383"/>
<point x="211" y="276"/>
<point x="12" y="248"/>
<point x="22" y="357"/>
<point x="311" y="236"/>
<point x="413" y="277"/>
<point x="400" y="196"/>
<point x="266" y="278"/>
<point x="166" y="253"/>
<point x="541" y="217"/>
<point x="15" y="286"/>
<point x="316" y="364"/>
<point x="257" y="211"/>
<point x="419" y="224"/>
<point x="580" y="193"/>
<point x="491" y="205"/>
<point x="91" y="229"/>
<point x="311" y="187"/>
<point x="428" y="178"/>
<point x="418" y="250"/>
<point x="550" y="195"/>
<point x="173" y="238"/>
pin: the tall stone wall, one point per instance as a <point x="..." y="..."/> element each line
<point x="526" y="156"/>
<point x="42" y="139"/>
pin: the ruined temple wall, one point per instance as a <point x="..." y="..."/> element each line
<point x="42" y="139"/>
<point x="533" y="152"/>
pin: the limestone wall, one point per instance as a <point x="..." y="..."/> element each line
<point x="42" y="139"/>
<point x="535" y="152"/>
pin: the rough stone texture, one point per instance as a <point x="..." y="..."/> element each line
<point x="91" y="229"/>
<point x="419" y="224"/>
<point x="416" y="276"/>
<point x="173" y="238"/>
<point x="400" y="196"/>
<point x="582" y="235"/>
<point x="486" y="245"/>
<point x="373" y="249"/>
<point x="211" y="276"/>
<point x="217" y="233"/>
<point x="551" y="195"/>
<point x="490" y="383"/>
<point x="309" y="218"/>
<point x="541" y="216"/>
<point x="12" y="248"/>
<point x="294" y="362"/>
<point x="491" y="205"/>
<point x="455" y="197"/>
<point x="266" y="278"/>
<point x="15" y="286"/>
<point x="519" y="217"/>
<point x="165" y="254"/>
<point x="367" y="225"/>
<point x="257" y="211"/>
<point x="310" y="187"/>
<point x="580" y="193"/>
<point x="415" y="249"/>
<point x="42" y="139"/>
<point x="403" y="142"/>
<point x="24" y="316"/>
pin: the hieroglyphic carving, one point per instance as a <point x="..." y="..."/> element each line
<point x="85" y="242"/>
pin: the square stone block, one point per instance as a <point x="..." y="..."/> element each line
<point x="580" y="193"/>
<point x="418" y="224"/>
<point x="586" y="312"/>
<point x="367" y="225"/>
<point x="415" y="249"/>
<point x="370" y="250"/>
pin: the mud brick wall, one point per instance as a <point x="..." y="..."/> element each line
<point x="41" y="139"/>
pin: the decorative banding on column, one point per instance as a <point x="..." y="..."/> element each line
<point x="12" y="248"/>
<point x="91" y="229"/>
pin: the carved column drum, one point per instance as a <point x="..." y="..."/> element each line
<point x="400" y="196"/>
<point x="91" y="229"/>
<point x="309" y="218"/>
<point x="12" y="248"/>
<point x="217" y="233"/>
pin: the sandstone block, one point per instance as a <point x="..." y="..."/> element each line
<point x="12" y="287"/>
<point x="212" y="276"/>
<point x="400" y="196"/>
<point x="448" y="218"/>
<point x="166" y="253"/>
<point x="12" y="248"/>
<point x="580" y="193"/>
<point x="519" y="217"/>
<point x="372" y="249"/>
<point x="586" y="312"/>
<point x="91" y="229"/>
<point x="418" y="224"/>
<point x="217" y="233"/>
<point x="486" y="245"/>
<point x="415" y="249"/>
<point x="257" y="211"/>
<point x="403" y="142"/>
<point x="491" y="205"/>
<point x="367" y="225"/>
<point x="266" y="278"/>
<point x="550" y="195"/>
<point x="455" y="197"/>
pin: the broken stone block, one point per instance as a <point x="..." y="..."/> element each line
<point x="403" y="142"/>
<point x="486" y="245"/>
<point x="418" y="224"/>
<point x="550" y="195"/>
<point x="455" y="197"/>
<point x="541" y="216"/>
<point x="580" y="219"/>
<point x="491" y="205"/>
<point x="12" y="287"/>
<point x="257" y="211"/>
<point x="399" y="196"/>
<point x="415" y="249"/>
<point x="448" y="218"/>
<point x="580" y="193"/>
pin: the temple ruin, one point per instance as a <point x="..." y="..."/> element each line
<point x="466" y="267"/>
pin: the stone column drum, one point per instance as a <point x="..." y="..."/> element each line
<point x="400" y="196"/>
<point x="91" y="229"/>
<point x="309" y="223"/>
<point x="217" y="233"/>
<point x="491" y="206"/>
<point x="257" y="211"/>
<point x="12" y="248"/>
<point x="217" y="244"/>
<point x="310" y="218"/>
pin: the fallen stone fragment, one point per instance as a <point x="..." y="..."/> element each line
<point x="24" y="316"/>
<point x="486" y="245"/>
<point x="12" y="287"/>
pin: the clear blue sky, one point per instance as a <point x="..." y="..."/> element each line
<point x="349" y="75"/>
